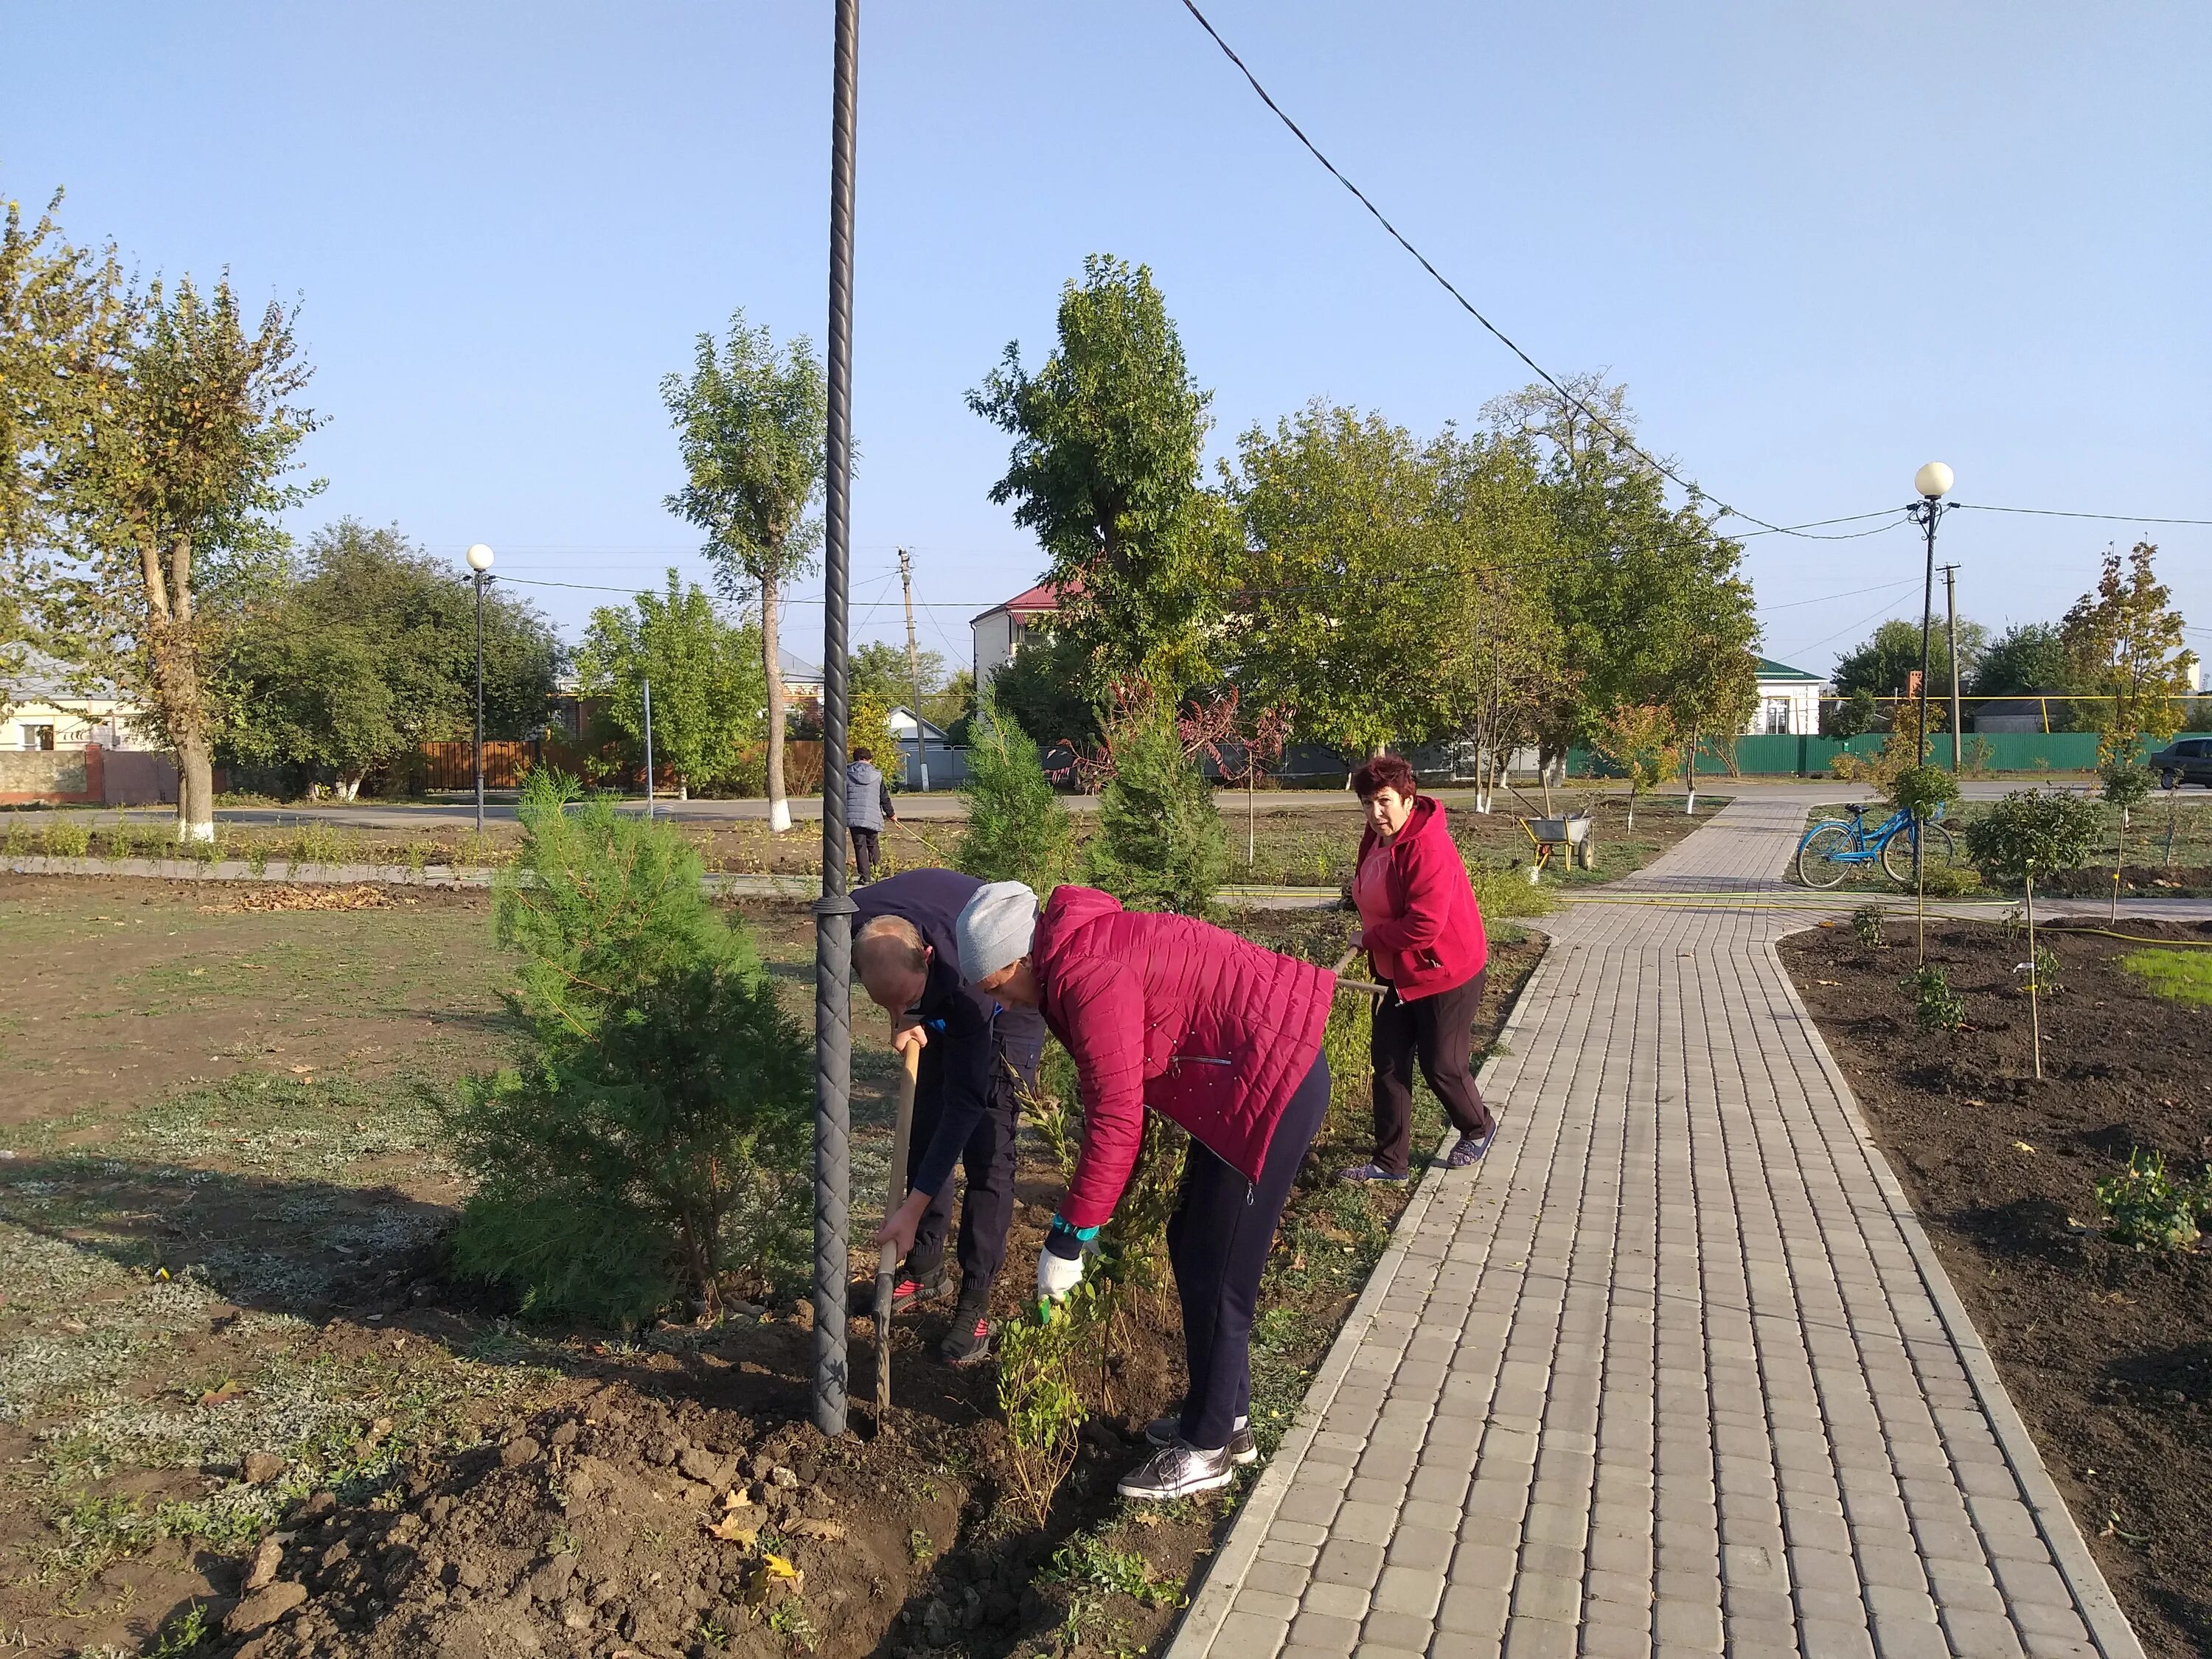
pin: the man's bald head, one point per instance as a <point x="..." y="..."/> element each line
<point x="891" y="960"/>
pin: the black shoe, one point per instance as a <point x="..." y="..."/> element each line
<point x="969" y="1339"/>
<point x="1166" y="1431"/>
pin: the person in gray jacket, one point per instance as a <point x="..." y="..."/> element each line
<point x="867" y="809"/>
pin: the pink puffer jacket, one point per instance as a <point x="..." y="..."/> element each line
<point x="1206" y="1029"/>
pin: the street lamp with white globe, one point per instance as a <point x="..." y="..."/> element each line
<point x="479" y="558"/>
<point x="1933" y="482"/>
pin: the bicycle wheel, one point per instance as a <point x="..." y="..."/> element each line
<point x="1939" y="850"/>
<point x="1817" y="866"/>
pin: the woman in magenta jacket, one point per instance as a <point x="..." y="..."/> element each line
<point x="1422" y="930"/>
<point x="1214" y="1033"/>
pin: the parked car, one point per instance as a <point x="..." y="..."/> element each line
<point x="2188" y="761"/>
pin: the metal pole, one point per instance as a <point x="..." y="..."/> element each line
<point x="480" y="588"/>
<point x="648" y="748"/>
<point x="1951" y="625"/>
<point x="833" y="912"/>
<point x="1926" y="624"/>
<point x="914" y="673"/>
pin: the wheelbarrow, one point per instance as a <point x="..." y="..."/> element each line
<point x="1570" y="834"/>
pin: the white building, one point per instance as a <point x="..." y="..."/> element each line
<point x="1789" y="702"/>
<point x="1003" y="631"/>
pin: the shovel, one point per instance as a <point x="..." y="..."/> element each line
<point x="887" y="1262"/>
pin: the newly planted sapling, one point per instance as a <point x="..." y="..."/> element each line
<point x="1922" y="792"/>
<point x="2147" y="1208"/>
<point x="1867" y="923"/>
<point x="1934" y="1003"/>
<point x="2126" y="785"/>
<point x="2033" y="833"/>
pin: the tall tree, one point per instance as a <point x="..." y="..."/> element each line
<point x="1347" y="568"/>
<point x="2125" y="639"/>
<point x="63" y="315"/>
<point x="751" y="422"/>
<point x="170" y="472"/>
<point x="1107" y="441"/>
<point x="372" y="652"/>
<point x="1885" y="660"/>
<point x="2027" y="658"/>
<point x="884" y="672"/>
<point x="708" y="693"/>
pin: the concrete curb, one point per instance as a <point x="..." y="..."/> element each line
<point x="1225" y="1569"/>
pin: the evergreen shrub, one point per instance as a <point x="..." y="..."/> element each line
<point x="1161" y="844"/>
<point x="652" y="1149"/>
<point x="1018" y="829"/>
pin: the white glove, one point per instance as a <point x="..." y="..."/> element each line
<point x="1056" y="1277"/>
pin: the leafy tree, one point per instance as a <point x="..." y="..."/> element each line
<point x="868" y="725"/>
<point x="1639" y="739"/>
<point x="168" y="476"/>
<point x="1107" y="439"/>
<point x="2027" y="658"/>
<point x="1921" y="791"/>
<point x="1884" y="663"/>
<point x="63" y="318"/>
<point x="2028" y="833"/>
<point x="1043" y="688"/>
<point x="1346" y="569"/>
<point x="1018" y="829"/>
<point x="952" y="703"/>
<point x="1850" y="716"/>
<point x="1647" y="597"/>
<point x="652" y="1144"/>
<point x="883" y="670"/>
<point x="2126" y="785"/>
<point x="753" y="424"/>
<point x="2125" y="639"/>
<point x="706" y="673"/>
<point x="1161" y="844"/>
<point x="371" y="653"/>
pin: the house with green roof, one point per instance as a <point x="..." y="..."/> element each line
<point x="1789" y="702"/>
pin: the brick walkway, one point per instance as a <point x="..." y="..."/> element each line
<point x="1676" y="1370"/>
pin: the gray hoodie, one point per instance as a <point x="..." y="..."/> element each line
<point x="867" y="797"/>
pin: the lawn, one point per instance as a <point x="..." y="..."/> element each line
<point x="223" y="1199"/>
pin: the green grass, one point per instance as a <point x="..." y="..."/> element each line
<point x="2183" y="976"/>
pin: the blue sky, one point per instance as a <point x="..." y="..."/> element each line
<point x="1820" y="245"/>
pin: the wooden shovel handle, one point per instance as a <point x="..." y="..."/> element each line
<point x="887" y="1261"/>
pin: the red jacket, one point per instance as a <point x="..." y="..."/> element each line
<point x="1210" y="1032"/>
<point x="1424" y="930"/>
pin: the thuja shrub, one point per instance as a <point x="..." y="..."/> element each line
<point x="649" y="1153"/>
<point x="1018" y="829"/>
<point x="1161" y="844"/>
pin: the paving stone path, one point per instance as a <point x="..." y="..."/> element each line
<point x="1676" y="1370"/>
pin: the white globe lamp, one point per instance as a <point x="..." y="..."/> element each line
<point x="480" y="555"/>
<point x="1933" y="481"/>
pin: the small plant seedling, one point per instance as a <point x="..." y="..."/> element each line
<point x="1934" y="1003"/>
<point x="1866" y="922"/>
<point x="2147" y="1208"/>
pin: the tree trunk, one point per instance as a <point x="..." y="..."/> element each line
<point x="779" y="809"/>
<point x="195" y="787"/>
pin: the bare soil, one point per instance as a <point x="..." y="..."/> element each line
<point x="229" y="1332"/>
<point x="2107" y="1351"/>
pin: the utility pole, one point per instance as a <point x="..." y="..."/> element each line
<point x="1951" y="624"/>
<point x="914" y="669"/>
<point x="834" y="910"/>
<point x="648" y="749"/>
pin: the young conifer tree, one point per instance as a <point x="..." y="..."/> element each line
<point x="1018" y="829"/>
<point x="1161" y="844"/>
<point x="655" y="1138"/>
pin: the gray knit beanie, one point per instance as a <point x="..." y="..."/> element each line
<point x="995" y="927"/>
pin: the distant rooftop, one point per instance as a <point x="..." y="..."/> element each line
<point x="1770" y="669"/>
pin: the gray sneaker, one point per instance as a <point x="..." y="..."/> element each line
<point x="1177" y="1471"/>
<point x="1166" y="1431"/>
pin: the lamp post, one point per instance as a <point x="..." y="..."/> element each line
<point x="479" y="565"/>
<point x="1933" y="481"/>
<point x="834" y="910"/>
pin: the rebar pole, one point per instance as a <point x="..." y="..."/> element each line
<point x="833" y="912"/>
<point x="1951" y="628"/>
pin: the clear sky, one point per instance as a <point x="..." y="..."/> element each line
<point x="1820" y="245"/>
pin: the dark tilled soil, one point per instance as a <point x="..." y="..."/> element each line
<point x="2108" y="1352"/>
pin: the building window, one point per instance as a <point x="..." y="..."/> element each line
<point x="36" y="737"/>
<point x="1777" y="717"/>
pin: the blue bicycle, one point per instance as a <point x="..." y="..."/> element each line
<point x="1835" y="848"/>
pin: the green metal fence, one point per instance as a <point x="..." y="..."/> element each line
<point x="1806" y="757"/>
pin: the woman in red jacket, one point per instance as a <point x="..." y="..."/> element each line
<point x="1212" y="1033"/>
<point x="1422" y="930"/>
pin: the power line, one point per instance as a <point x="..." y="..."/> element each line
<point x="1886" y="587"/>
<point x="1466" y="305"/>
<point x="2053" y="513"/>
